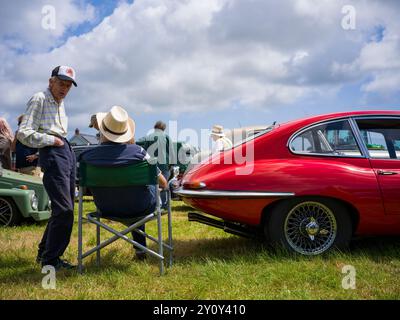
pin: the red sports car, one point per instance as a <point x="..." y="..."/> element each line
<point x="309" y="185"/>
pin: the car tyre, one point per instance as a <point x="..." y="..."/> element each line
<point x="9" y="213"/>
<point x="309" y="226"/>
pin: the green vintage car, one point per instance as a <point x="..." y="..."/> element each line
<point x="22" y="197"/>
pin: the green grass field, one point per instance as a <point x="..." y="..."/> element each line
<point x="209" y="264"/>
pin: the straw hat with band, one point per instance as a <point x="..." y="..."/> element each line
<point x="116" y="125"/>
<point x="218" y="131"/>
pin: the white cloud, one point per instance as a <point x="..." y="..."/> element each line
<point x="24" y="24"/>
<point x="194" y="56"/>
<point x="378" y="59"/>
<point x="382" y="55"/>
<point x="384" y="83"/>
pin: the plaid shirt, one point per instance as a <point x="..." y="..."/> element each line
<point x="44" y="119"/>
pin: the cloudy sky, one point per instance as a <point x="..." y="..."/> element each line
<point x="203" y="62"/>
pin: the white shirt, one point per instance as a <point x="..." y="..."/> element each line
<point x="44" y="119"/>
<point x="222" y="144"/>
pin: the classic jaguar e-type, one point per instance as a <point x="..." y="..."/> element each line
<point x="309" y="185"/>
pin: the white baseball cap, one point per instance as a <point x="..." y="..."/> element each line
<point x="64" y="73"/>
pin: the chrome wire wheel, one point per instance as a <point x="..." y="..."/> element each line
<point x="310" y="228"/>
<point x="6" y="212"/>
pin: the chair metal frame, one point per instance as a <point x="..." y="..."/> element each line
<point x="86" y="180"/>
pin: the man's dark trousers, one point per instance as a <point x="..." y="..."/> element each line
<point x="58" y="164"/>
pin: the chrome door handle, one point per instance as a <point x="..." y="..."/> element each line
<point x="386" y="173"/>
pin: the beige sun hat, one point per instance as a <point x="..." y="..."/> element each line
<point x="218" y="130"/>
<point x="116" y="125"/>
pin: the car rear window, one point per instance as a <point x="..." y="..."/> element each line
<point x="332" y="138"/>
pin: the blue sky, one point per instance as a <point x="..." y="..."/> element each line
<point x="103" y="9"/>
<point x="200" y="63"/>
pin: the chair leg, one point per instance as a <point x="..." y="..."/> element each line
<point x="160" y="243"/>
<point x="80" y="216"/>
<point x="98" y="242"/>
<point x="159" y="227"/>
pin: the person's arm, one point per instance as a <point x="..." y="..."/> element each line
<point x="162" y="182"/>
<point x="32" y="157"/>
<point x="172" y="158"/>
<point x="4" y="145"/>
<point x="28" y="132"/>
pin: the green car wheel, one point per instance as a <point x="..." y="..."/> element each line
<point x="9" y="214"/>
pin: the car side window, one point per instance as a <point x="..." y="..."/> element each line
<point x="381" y="137"/>
<point x="333" y="138"/>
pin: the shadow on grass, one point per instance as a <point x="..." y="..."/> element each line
<point x="20" y="270"/>
<point x="219" y="249"/>
<point x="373" y="248"/>
<point x="25" y="271"/>
<point x="182" y="207"/>
<point x="108" y="261"/>
<point x="376" y="248"/>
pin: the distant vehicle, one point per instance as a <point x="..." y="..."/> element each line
<point x="238" y="135"/>
<point x="22" y="197"/>
<point x="315" y="182"/>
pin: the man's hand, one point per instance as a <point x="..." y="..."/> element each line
<point x="58" y="142"/>
<point x="32" y="157"/>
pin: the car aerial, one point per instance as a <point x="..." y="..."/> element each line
<point x="308" y="185"/>
<point x="22" y="197"/>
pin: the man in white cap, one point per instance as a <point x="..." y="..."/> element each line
<point x="221" y="142"/>
<point x="117" y="131"/>
<point x="44" y="126"/>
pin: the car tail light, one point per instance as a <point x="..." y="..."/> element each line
<point x="194" y="185"/>
<point x="23" y="187"/>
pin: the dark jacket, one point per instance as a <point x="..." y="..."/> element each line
<point x="21" y="152"/>
<point x="158" y="145"/>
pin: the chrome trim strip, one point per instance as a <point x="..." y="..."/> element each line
<point x="358" y="137"/>
<point x="346" y="117"/>
<point x="231" y="194"/>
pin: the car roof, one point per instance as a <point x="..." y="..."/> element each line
<point x="339" y="115"/>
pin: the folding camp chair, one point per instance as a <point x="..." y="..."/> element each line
<point x="138" y="174"/>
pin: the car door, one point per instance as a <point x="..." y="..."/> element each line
<point x="381" y="137"/>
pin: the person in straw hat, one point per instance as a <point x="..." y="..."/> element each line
<point x="117" y="131"/>
<point x="221" y="142"/>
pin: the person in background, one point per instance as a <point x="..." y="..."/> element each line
<point x="45" y="126"/>
<point x="6" y="139"/>
<point x="221" y="142"/>
<point x="26" y="157"/>
<point x="158" y="145"/>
